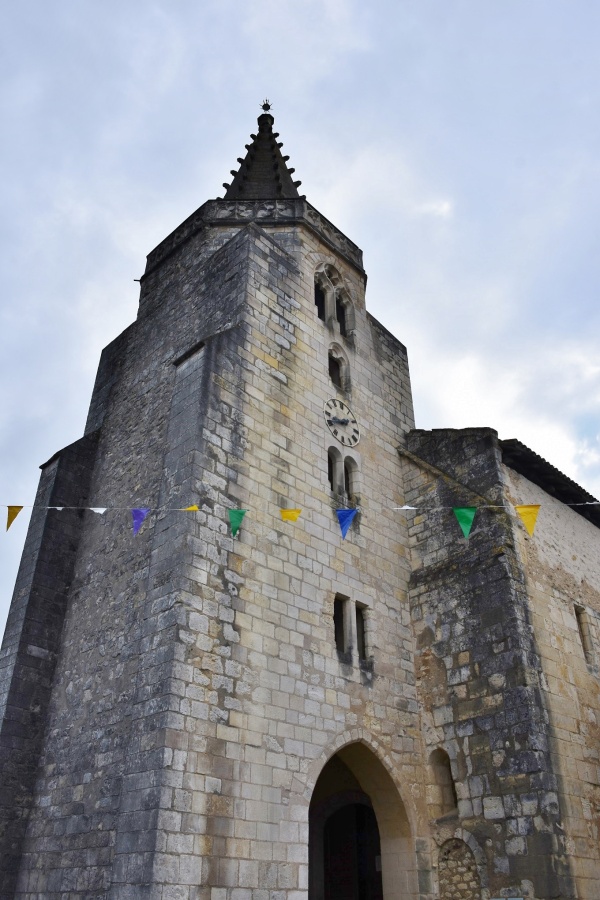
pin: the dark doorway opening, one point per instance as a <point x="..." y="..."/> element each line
<point x="352" y="855"/>
<point x="344" y="840"/>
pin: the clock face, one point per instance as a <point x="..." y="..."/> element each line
<point x="341" y="422"/>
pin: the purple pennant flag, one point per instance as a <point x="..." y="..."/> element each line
<point x="345" y="517"/>
<point x="138" y="516"/>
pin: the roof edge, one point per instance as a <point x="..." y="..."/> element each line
<point x="526" y="462"/>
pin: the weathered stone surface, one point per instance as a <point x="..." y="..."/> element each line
<point x="179" y="707"/>
<point x="479" y="664"/>
<point x="198" y="683"/>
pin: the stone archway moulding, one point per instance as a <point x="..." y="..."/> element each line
<point x="357" y="736"/>
<point x="375" y="772"/>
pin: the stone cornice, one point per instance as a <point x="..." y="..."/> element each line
<point x="263" y="212"/>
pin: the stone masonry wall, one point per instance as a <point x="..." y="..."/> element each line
<point x="479" y="667"/>
<point x="271" y="694"/>
<point x="562" y="567"/>
<point x="32" y="639"/>
<point x="94" y="824"/>
<point x="199" y="692"/>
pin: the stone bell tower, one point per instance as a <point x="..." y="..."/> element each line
<point x="192" y="715"/>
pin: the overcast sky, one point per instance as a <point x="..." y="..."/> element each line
<point x="458" y="143"/>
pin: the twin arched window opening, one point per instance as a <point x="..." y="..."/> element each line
<point x="342" y="475"/>
<point x="332" y="302"/>
<point x="347" y="633"/>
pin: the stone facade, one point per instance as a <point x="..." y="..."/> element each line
<point x="186" y="715"/>
<point x="562" y="570"/>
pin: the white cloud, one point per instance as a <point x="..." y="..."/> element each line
<point x="477" y="218"/>
<point x="441" y="208"/>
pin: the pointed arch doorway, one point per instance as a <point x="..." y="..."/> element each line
<point x="360" y="845"/>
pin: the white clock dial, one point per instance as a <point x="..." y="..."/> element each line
<point x="341" y="422"/>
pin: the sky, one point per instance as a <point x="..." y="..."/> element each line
<point x="458" y="144"/>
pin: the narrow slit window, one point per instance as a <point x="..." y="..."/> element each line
<point x="338" y="624"/>
<point x="331" y="470"/>
<point x="361" y="644"/>
<point x="583" y="626"/>
<point x="335" y="371"/>
<point x="340" y="314"/>
<point x="320" y="301"/>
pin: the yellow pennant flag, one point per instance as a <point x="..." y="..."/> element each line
<point x="193" y="508"/>
<point x="13" y="512"/>
<point x="528" y="515"/>
<point x="290" y="515"/>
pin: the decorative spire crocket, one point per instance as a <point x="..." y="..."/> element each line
<point x="263" y="173"/>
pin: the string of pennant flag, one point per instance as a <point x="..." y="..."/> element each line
<point x="236" y="516"/>
<point x="465" y="515"/>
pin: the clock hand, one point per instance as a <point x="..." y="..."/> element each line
<point x="335" y="421"/>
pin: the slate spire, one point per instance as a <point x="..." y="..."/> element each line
<point x="263" y="174"/>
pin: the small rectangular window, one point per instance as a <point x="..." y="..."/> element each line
<point x="338" y="624"/>
<point x="320" y="301"/>
<point x="340" y="314"/>
<point x="361" y="645"/>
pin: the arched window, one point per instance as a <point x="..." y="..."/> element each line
<point x="442" y="795"/>
<point x="335" y="370"/>
<point x="334" y="470"/>
<point x="350" y="471"/>
<point x="339" y="368"/>
<point x="340" y="314"/>
<point x="320" y="301"/>
<point x="457" y="857"/>
<point x="342" y="475"/>
<point x="332" y="301"/>
<point x="324" y="294"/>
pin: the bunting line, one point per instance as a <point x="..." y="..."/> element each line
<point x="465" y="515"/>
<point x="195" y="508"/>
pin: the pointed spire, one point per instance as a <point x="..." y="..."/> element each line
<point x="263" y="173"/>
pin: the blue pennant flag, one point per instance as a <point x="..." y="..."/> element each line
<point x="345" y="517"/>
<point x="138" y="516"/>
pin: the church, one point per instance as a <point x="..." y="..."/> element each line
<point x="269" y="641"/>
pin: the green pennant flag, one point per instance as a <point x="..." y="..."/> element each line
<point x="235" y="519"/>
<point x="465" y="516"/>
